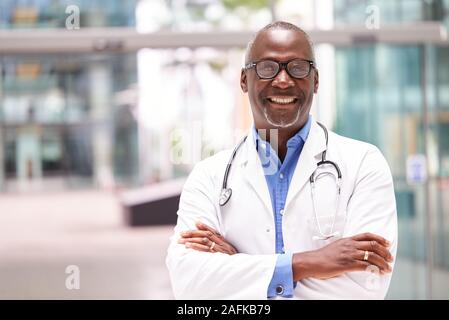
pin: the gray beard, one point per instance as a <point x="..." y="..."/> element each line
<point x="281" y="123"/>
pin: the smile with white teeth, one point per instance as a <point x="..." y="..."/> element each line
<point x="278" y="100"/>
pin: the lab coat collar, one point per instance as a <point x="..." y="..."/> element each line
<point x="310" y="155"/>
<point x="253" y="171"/>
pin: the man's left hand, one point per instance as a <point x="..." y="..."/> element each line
<point x="206" y="239"/>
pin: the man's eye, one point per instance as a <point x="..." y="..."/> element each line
<point x="268" y="69"/>
<point x="297" y="69"/>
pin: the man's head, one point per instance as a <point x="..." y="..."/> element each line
<point x="285" y="100"/>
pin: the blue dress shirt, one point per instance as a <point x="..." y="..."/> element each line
<point x="278" y="182"/>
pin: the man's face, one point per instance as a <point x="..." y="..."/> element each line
<point x="281" y="102"/>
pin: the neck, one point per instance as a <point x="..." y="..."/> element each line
<point x="283" y="135"/>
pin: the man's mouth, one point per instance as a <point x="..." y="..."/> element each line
<point x="282" y="100"/>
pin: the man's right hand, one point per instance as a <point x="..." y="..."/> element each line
<point x="343" y="255"/>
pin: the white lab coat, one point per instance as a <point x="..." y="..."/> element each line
<point x="367" y="204"/>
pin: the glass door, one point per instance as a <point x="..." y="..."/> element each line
<point x="379" y="88"/>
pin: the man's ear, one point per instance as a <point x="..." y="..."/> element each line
<point x="243" y="83"/>
<point x="316" y="81"/>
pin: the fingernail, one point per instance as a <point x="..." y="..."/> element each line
<point x="181" y="240"/>
<point x="187" y="244"/>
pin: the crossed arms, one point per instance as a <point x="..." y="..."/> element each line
<point x="224" y="273"/>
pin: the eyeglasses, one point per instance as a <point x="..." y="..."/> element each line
<point x="269" y="69"/>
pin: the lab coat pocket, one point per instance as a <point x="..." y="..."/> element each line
<point x="327" y="229"/>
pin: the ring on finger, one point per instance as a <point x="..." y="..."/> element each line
<point x="366" y="256"/>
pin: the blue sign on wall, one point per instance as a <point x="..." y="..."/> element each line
<point x="416" y="169"/>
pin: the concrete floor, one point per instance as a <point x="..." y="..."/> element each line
<point x="42" y="234"/>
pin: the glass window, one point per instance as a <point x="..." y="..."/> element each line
<point x="381" y="88"/>
<point x="179" y="15"/>
<point x="53" y="13"/>
<point x="120" y="119"/>
<point x="188" y="106"/>
<point x="390" y="12"/>
<point x="60" y="114"/>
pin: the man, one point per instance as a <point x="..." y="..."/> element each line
<point x="286" y="231"/>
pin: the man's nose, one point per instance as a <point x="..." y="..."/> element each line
<point x="283" y="80"/>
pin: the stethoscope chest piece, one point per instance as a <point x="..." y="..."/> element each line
<point x="225" y="195"/>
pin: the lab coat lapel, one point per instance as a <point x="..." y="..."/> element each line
<point x="253" y="172"/>
<point x="310" y="155"/>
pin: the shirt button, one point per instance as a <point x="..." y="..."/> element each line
<point x="281" y="176"/>
<point x="268" y="229"/>
<point x="279" y="290"/>
<point x="281" y="212"/>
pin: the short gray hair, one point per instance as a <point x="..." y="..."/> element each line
<point x="282" y="25"/>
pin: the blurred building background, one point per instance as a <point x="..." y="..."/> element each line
<point x="101" y="97"/>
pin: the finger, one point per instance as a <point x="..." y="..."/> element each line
<point x="202" y="234"/>
<point x="362" y="266"/>
<point x="197" y="246"/>
<point x="207" y="243"/>
<point x="367" y="236"/>
<point x="374" y="246"/>
<point x="221" y="249"/>
<point x="375" y="259"/>
<point x="204" y="241"/>
<point x="195" y="234"/>
<point x="205" y="227"/>
<point x="224" y="246"/>
<point x="231" y="250"/>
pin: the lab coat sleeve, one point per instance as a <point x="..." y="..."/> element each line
<point x="372" y="208"/>
<point x="204" y="275"/>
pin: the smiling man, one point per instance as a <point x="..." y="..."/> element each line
<point x="295" y="211"/>
<point x="280" y="94"/>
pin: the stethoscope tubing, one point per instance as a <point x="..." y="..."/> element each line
<point x="226" y="192"/>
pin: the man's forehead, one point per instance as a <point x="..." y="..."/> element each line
<point x="281" y="40"/>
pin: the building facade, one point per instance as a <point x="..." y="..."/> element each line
<point x="108" y="112"/>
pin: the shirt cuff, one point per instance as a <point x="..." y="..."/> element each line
<point x="281" y="284"/>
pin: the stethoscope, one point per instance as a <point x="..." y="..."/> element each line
<point x="226" y="192"/>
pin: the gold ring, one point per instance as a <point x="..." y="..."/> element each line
<point x="365" y="258"/>
<point x="212" y="246"/>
